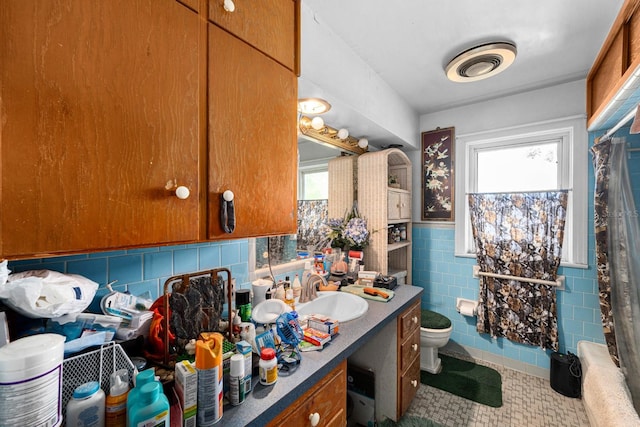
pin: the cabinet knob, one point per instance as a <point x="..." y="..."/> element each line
<point x="414" y="347"/>
<point x="314" y="419"/>
<point x="415" y="319"/>
<point x="182" y="192"/>
<point x="229" y="6"/>
<point x="414" y="383"/>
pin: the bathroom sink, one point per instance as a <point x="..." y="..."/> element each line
<point x="340" y="306"/>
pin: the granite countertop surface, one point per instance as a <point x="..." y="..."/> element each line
<point x="265" y="402"/>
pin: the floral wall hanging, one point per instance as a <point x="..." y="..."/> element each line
<point x="437" y="174"/>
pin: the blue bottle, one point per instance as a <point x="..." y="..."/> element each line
<point x="145" y="377"/>
<point x="151" y="407"/>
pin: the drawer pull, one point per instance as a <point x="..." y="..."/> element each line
<point x="415" y="319"/>
<point x="314" y="419"/>
<point x="414" y="383"/>
<point x="414" y="347"/>
<point x="229" y="6"/>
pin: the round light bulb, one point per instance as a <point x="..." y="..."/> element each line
<point x="343" y="133"/>
<point x="317" y="123"/>
<point x="363" y="143"/>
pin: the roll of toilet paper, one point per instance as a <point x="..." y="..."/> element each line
<point x="467" y="308"/>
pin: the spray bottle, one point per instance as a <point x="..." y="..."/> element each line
<point x="116" y="401"/>
<point x="210" y="385"/>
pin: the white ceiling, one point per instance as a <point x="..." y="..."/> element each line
<point x="406" y="44"/>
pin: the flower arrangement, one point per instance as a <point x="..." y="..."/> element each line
<point x="350" y="231"/>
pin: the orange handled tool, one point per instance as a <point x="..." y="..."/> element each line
<point x="376" y="292"/>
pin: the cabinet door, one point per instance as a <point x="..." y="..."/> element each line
<point x="252" y="138"/>
<point x="393" y="205"/>
<point x="405" y="206"/>
<point x="99" y="112"/>
<point x="328" y="398"/>
<point x="268" y="25"/>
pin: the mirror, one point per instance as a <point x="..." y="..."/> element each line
<point x="315" y="149"/>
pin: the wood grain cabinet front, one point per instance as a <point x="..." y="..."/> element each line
<point x="100" y="120"/>
<point x="325" y="404"/>
<point x="268" y="25"/>
<point x="108" y="107"/>
<point x="252" y="139"/>
<point x="408" y="356"/>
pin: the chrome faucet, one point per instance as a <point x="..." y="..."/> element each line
<point x="308" y="291"/>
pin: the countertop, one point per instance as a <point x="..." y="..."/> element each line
<point x="265" y="402"/>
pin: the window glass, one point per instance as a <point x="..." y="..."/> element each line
<point x="315" y="185"/>
<point x="529" y="168"/>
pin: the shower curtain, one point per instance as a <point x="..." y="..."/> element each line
<point x="617" y="247"/>
<point x="519" y="235"/>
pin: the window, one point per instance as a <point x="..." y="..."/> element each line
<point x="314" y="183"/>
<point x="538" y="157"/>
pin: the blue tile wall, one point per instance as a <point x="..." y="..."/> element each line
<point x="142" y="270"/>
<point x="445" y="277"/>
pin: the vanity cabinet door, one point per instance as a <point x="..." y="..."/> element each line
<point x="327" y="399"/>
<point x="100" y="117"/>
<point x="268" y="25"/>
<point x="252" y="139"/>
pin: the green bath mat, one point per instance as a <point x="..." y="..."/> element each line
<point x="468" y="380"/>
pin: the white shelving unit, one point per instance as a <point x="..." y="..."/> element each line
<point x="384" y="207"/>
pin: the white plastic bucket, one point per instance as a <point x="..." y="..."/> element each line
<point x="31" y="381"/>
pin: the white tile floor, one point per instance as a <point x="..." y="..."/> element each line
<point x="528" y="401"/>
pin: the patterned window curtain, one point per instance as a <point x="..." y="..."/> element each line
<point x="519" y="235"/>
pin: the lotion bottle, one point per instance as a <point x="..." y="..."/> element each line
<point x="116" y="401"/>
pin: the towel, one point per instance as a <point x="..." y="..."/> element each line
<point x="605" y="393"/>
<point x="359" y="290"/>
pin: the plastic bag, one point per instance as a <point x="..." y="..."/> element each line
<point x="45" y="293"/>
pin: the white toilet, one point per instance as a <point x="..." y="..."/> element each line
<point x="435" y="330"/>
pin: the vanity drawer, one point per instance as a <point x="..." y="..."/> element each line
<point x="268" y="25"/>
<point x="410" y="320"/>
<point x="410" y="350"/>
<point x="409" y="384"/>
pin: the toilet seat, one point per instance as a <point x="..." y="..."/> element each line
<point x="432" y="320"/>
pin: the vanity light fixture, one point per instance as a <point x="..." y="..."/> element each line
<point x="313" y="106"/>
<point x="317" y="123"/>
<point x="331" y="136"/>
<point x="481" y="62"/>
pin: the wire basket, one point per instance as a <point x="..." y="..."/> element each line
<point x="96" y="365"/>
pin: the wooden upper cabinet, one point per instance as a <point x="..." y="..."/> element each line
<point x="618" y="59"/>
<point x="100" y="111"/>
<point x="252" y="138"/>
<point x="270" y="26"/>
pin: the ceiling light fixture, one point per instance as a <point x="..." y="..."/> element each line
<point x="313" y="106"/>
<point x="327" y="134"/>
<point x="481" y="62"/>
